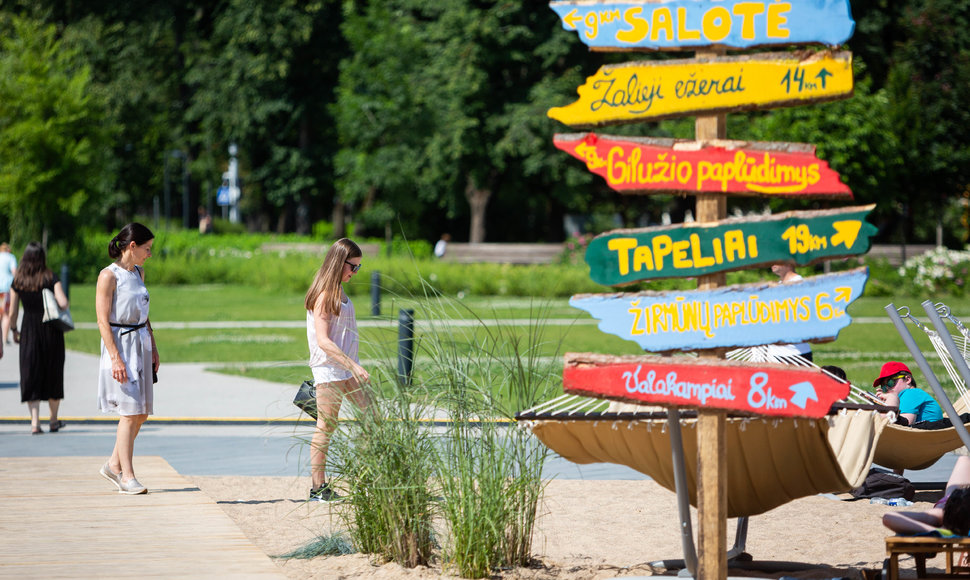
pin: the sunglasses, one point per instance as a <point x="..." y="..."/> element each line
<point x="353" y="268"/>
<point x="890" y="383"/>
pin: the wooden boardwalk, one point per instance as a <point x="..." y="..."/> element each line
<point x="60" y="519"/>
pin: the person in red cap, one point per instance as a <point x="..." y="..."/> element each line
<point x="897" y="388"/>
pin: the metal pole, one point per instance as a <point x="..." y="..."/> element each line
<point x="680" y="484"/>
<point x="375" y="293"/>
<point x="168" y="194"/>
<point x="924" y="366"/>
<point x="958" y="361"/>
<point x="405" y="345"/>
<point x="65" y="280"/>
<point x="186" y="218"/>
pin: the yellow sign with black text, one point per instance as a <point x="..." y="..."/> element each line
<point x="642" y="91"/>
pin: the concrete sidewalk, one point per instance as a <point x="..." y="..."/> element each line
<point x="185" y="391"/>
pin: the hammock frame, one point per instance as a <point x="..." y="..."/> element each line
<point x="957" y="358"/>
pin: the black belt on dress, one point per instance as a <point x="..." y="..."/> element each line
<point x="130" y="327"/>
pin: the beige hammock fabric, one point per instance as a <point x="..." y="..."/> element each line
<point x="907" y="448"/>
<point x="770" y="461"/>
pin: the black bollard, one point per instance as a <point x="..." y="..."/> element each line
<point x="65" y="282"/>
<point x="375" y="293"/>
<point x="405" y="345"/>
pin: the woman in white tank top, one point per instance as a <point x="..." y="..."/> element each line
<point x="333" y="341"/>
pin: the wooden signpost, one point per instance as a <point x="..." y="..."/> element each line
<point x="677" y="24"/>
<point x="765" y="389"/>
<point x="745" y="315"/>
<point x="625" y="256"/>
<point x="641" y="91"/>
<point x="713" y="317"/>
<point x="648" y="166"/>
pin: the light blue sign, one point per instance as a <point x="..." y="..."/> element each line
<point x="222" y="195"/>
<point x="662" y="24"/>
<point x="813" y="309"/>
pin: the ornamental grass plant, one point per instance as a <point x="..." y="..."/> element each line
<point x="475" y="473"/>
<point x="385" y="461"/>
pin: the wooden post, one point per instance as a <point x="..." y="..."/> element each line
<point x="711" y="424"/>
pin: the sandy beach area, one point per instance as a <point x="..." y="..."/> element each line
<point x="586" y="530"/>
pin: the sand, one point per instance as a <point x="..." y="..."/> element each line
<point x="585" y="530"/>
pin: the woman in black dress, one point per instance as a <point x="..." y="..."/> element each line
<point x="41" y="345"/>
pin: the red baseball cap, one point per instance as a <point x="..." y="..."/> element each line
<point x="889" y="369"/>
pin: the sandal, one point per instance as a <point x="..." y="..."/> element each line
<point x="56" y="426"/>
<point x="37" y="431"/>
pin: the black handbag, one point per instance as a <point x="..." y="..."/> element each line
<point x="306" y="399"/>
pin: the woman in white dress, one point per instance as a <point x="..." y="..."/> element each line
<point x="333" y="340"/>
<point x="129" y="359"/>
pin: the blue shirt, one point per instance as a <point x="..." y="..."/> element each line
<point x="8" y="263"/>
<point x="917" y="401"/>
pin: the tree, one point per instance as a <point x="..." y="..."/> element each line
<point x="443" y="106"/>
<point x="265" y="81"/>
<point x="54" y="143"/>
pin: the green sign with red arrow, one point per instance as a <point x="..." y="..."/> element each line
<point x="626" y="256"/>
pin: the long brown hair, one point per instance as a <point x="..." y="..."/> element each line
<point x="32" y="271"/>
<point x="328" y="278"/>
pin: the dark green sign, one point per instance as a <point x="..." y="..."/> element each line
<point x="625" y="256"/>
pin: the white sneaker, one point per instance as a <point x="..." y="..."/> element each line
<point x="111" y="476"/>
<point x="131" y="487"/>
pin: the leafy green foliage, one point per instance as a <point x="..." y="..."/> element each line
<point x="53" y="139"/>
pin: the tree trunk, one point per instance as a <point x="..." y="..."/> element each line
<point x="477" y="202"/>
<point x="338" y="219"/>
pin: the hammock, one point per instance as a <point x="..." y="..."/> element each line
<point x="770" y="461"/>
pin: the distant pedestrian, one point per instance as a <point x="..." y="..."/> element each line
<point x="786" y="273"/>
<point x="41" y="345"/>
<point x="333" y="341"/>
<point x="205" y="221"/>
<point x="129" y="357"/>
<point x="441" y="247"/>
<point x="8" y="268"/>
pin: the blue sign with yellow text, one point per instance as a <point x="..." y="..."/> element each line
<point x="677" y="24"/>
<point x="813" y="309"/>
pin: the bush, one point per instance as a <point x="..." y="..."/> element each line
<point x="187" y="257"/>
<point x="940" y="271"/>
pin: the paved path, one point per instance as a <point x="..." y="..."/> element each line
<point x="57" y="524"/>
<point x="184" y="391"/>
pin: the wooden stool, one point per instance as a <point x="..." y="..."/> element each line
<point x="923" y="547"/>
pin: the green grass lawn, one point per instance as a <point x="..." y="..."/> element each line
<point x="279" y="354"/>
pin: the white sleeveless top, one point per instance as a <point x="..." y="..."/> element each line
<point x="343" y="332"/>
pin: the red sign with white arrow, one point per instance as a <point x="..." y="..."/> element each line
<point x="762" y="388"/>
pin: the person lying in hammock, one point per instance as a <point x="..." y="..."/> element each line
<point x="950" y="516"/>
<point x="897" y="388"/>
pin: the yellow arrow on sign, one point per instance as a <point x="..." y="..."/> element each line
<point x="572" y="18"/>
<point x="843" y="294"/>
<point x="846" y="232"/>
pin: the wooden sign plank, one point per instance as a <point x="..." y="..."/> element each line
<point x="641" y="91"/>
<point x="649" y="166"/>
<point x="764" y="389"/>
<point x="625" y="256"/>
<point x="813" y="309"/>
<point x="679" y="24"/>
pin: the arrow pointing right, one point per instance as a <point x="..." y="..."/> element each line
<point x="846" y="232"/>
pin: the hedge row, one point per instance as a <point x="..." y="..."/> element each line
<point x="186" y="257"/>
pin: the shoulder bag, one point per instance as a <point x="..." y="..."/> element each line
<point x="61" y="318"/>
<point x="306" y="399"/>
